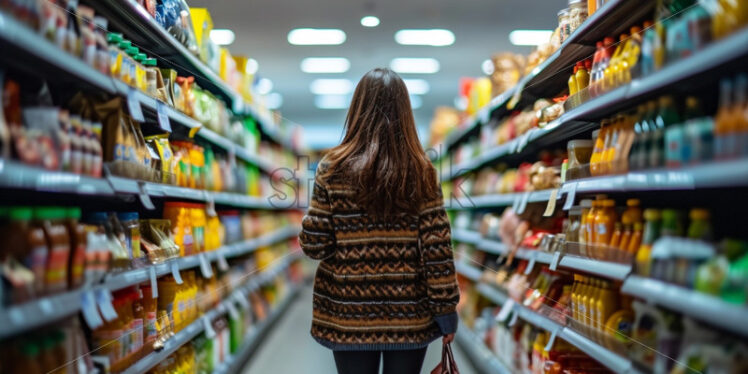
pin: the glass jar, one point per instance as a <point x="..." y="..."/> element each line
<point x="577" y="14"/>
<point x="563" y="25"/>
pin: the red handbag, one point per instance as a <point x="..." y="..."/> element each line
<point x="448" y="365"/>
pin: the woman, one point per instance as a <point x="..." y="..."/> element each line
<point x="386" y="283"/>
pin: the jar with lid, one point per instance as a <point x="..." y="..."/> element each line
<point x="577" y="14"/>
<point x="580" y="151"/>
<point x="563" y="25"/>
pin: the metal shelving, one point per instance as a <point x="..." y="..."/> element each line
<point x="197" y="327"/>
<point x="19" y="318"/>
<point x="466" y="236"/>
<point x="602" y="354"/>
<point x="482" y="357"/>
<point x="721" y="174"/>
<point x="468" y="271"/>
<point x="25" y="42"/>
<point x="704" y="307"/>
<point x="583" y="118"/>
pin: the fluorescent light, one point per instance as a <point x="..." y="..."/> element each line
<point x="251" y="67"/>
<point x="325" y="65"/>
<point x="415" y="102"/>
<point x="417" y="86"/>
<point x="274" y="100"/>
<point x="316" y="37"/>
<point x="432" y="37"/>
<point x="487" y="67"/>
<point x="331" y="87"/>
<point x="264" y="86"/>
<point x="222" y="36"/>
<point x="415" y="65"/>
<point x="370" y="21"/>
<point x="331" y="101"/>
<point x="530" y="37"/>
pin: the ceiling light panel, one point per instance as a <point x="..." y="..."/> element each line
<point x="432" y="37"/>
<point x="222" y="36"/>
<point x="331" y="101"/>
<point x="530" y="37"/>
<point x="325" y="65"/>
<point x="308" y="36"/>
<point x="417" y="86"/>
<point x="370" y="21"/>
<point x="331" y="87"/>
<point x="404" y="65"/>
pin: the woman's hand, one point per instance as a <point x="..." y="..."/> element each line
<point x="448" y="338"/>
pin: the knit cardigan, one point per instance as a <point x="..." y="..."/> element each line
<point x="381" y="284"/>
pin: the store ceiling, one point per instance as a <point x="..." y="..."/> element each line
<point x="481" y="27"/>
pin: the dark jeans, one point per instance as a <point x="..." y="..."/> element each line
<point x="367" y="362"/>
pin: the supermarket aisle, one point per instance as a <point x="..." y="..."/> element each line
<point x="290" y="349"/>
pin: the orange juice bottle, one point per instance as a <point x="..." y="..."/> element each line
<point x="586" y="205"/>
<point x="584" y="301"/>
<point x="591" y="7"/>
<point x="597" y="151"/>
<point x="615" y="240"/>
<point x="611" y="71"/>
<point x="636" y="239"/>
<point x="575" y="297"/>
<point x="630" y="216"/>
<point x="590" y="303"/>
<point x="629" y="56"/>
<point x="605" y="220"/>
<point x="609" y="154"/>
<point x="607" y="304"/>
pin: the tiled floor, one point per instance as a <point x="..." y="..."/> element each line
<point x="289" y="349"/>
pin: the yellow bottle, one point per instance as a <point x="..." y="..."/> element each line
<point x="573" y="81"/>
<point x="584" y="305"/>
<point x="611" y="71"/>
<point x="609" y="150"/>
<point x="575" y="297"/>
<point x="629" y="56"/>
<point x="583" y="239"/>
<point x="583" y="76"/>
<point x="606" y="305"/>
<point x="597" y="151"/>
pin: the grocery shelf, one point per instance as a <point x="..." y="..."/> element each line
<point x="15" y="175"/>
<point x="601" y="354"/>
<point x="26" y="42"/>
<point x="19" y="318"/>
<point x="466" y="236"/>
<point x="468" y="271"/>
<point x="186" y="335"/>
<point x="253" y="340"/>
<point x="610" y="270"/>
<point x="584" y="117"/>
<point x="722" y="174"/>
<point x="704" y="307"/>
<point x="481" y="357"/>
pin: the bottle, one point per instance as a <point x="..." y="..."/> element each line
<point x="591" y="6"/>
<point x="586" y="205"/>
<point x="575" y="297"/>
<point x="583" y="79"/>
<point x="78" y="242"/>
<point x="613" y="68"/>
<point x="591" y="302"/>
<point x="700" y="228"/>
<point x="646" y="65"/>
<point x="666" y="116"/>
<point x="51" y="221"/>
<point x="637" y="145"/>
<point x="652" y="227"/>
<point x="584" y="301"/>
<point x="722" y="122"/>
<point x="605" y="57"/>
<point x="635" y="241"/>
<point x="594" y="73"/>
<point x="740" y="116"/>
<point x="615" y="240"/>
<point x="29" y="361"/>
<point x="604" y="226"/>
<point x="630" y="216"/>
<point x="573" y="81"/>
<point x="590" y="222"/>
<point x="629" y="56"/>
<point x="597" y="151"/>
<point x="606" y="305"/>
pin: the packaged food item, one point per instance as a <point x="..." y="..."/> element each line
<point x="78" y="243"/>
<point x="651" y="232"/>
<point x="22" y="267"/>
<point x="182" y="227"/>
<point x="577" y="14"/>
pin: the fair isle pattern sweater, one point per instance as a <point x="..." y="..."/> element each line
<point x="381" y="284"/>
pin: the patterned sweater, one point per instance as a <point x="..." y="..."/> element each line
<point x="381" y="284"/>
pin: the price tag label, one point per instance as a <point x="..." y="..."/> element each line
<point x="552" y="339"/>
<point x="205" y="267"/>
<point x="513" y="145"/>
<point x="551" y="207"/>
<point x="523" y="203"/>
<point x="46" y="306"/>
<point x="555" y="260"/>
<point x="208" y="327"/>
<point x="163" y="117"/>
<point x="223" y="265"/>
<point x="210" y="206"/>
<point x="175" y="272"/>
<point x="505" y="310"/>
<point x="145" y="198"/>
<point x="514" y="319"/>
<point x="484" y="116"/>
<point x="524" y="139"/>
<point x="90" y="312"/>
<point x="133" y="105"/>
<point x="154" y="282"/>
<point x="570" y="196"/>
<point x="104" y="300"/>
<point x="531" y="262"/>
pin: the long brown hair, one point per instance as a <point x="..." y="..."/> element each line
<point x="380" y="154"/>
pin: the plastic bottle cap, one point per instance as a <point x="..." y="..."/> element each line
<point x="151" y="62"/>
<point x="647" y="24"/>
<point x="74" y="213"/>
<point x="97" y="217"/>
<point x="141" y="56"/>
<point x="30" y="349"/>
<point x="125" y="44"/>
<point x="46" y="213"/>
<point x="563" y="12"/>
<point x="666" y="100"/>
<point x="128" y="216"/>
<point x="608" y="41"/>
<point x="114" y="38"/>
<point x="633" y="202"/>
<point x="699" y="214"/>
<point x="599" y="45"/>
<point x="623" y="37"/>
<point x="651" y="214"/>
<point x="609" y="203"/>
<point x="133" y="51"/>
<point x="579" y="143"/>
<point x="21" y="213"/>
<point x="635" y="30"/>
